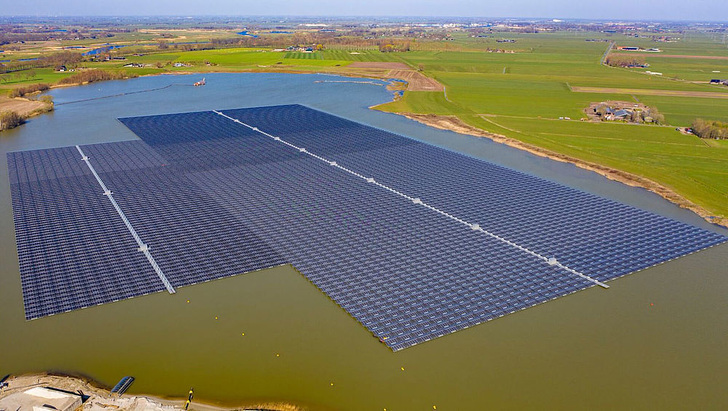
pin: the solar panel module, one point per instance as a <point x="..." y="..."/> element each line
<point x="412" y="240"/>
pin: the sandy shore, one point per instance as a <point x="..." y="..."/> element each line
<point x="102" y="399"/>
<point x="23" y="106"/>
<point x="452" y="123"/>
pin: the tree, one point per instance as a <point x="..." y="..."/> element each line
<point x="657" y="117"/>
<point x="710" y="129"/>
<point x="636" y="116"/>
<point x="47" y="98"/>
<point x="10" y="119"/>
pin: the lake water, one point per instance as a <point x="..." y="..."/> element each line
<point x="655" y="339"/>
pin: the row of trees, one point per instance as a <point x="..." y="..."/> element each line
<point x="625" y="61"/>
<point x="648" y="115"/>
<point x="69" y="59"/>
<point x="90" y="76"/>
<point x="710" y="129"/>
<point x="335" y="40"/>
<point x="33" y="88"/>
<point x="10" y="35"/>
<point x="389" y="47"/>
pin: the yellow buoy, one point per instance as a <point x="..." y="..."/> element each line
<point x="278" y="355"/>
<point x="332" y="384"/>
<point x="216" y="317"/>
<point x="402" y="368"/>
<point x="434" y="407"/>
<point x="188" y="301"/>
<point x="243" y="334"/>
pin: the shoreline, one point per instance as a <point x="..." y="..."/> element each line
<point x="101" y="398"/>
<point x="452" y="123"/>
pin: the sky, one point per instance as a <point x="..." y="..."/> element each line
<point x="694" y="10"/>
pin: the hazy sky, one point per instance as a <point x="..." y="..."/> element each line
<point x="707" y="10"/>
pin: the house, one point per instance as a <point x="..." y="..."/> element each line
<point x="622" y="114"/>
<point x="61" y="68"/>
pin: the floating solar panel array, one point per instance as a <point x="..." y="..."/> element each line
<point x="414" y="241"/>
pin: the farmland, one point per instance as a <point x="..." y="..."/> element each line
<point x="520" y="88"/>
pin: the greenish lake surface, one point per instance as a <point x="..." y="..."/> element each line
<point x="656" y="339"/>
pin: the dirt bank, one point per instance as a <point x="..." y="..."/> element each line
<point x="22" y="106"/>
<point x="102" y="399"/>
<point x="452" y="123"/>
<point x="416" y="81"/>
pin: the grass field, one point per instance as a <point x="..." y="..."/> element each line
<point x="305" y="56"/>
<point x="238" y="59"/>
<point x="684" y="162"/>
<point x="360" y="55"/>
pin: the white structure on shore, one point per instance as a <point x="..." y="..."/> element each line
<point x="41" y="399"/>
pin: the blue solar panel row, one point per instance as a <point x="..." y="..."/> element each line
<point x="585" y="232"/>
<point x="74" y="249"/>
<point x="203" y="141"/>
<point x="213" y="198"/>
<point x="404" y="273"/>
<point x="192" y="238"/>
<point x="71" y="247"/>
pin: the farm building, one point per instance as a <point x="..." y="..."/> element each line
<point x="622" y="114"/>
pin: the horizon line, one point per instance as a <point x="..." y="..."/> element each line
<point x="375" y="17"/>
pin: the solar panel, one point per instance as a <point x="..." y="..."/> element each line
<point x="71" y="247"/>
<point x="412" y="240"/>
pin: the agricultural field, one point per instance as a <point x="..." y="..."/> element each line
<point x="360" y="55"/>
<point x="304" y="56"/>
<point x="514" y="84"/>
